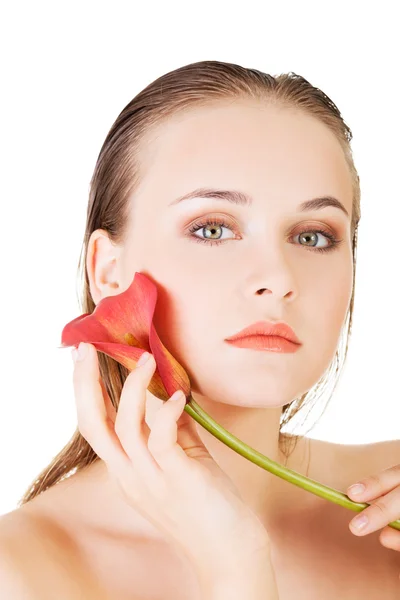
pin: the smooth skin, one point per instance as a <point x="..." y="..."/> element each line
<point x="167" y="474"/>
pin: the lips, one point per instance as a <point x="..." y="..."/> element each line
<point x="266" y="328"/>
<point x="265" y="342"/>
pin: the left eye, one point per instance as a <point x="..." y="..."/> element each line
<point x="306" y="236"/>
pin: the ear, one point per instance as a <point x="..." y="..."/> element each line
<point x="103" y="266"/>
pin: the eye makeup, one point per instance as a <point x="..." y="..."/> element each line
<point x="334" y="242"/>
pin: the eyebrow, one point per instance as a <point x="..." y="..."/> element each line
<point x="237" y="197"/>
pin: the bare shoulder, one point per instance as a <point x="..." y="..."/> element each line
<point x="362" y="460"/>
<point x="38" y="561"/>
<point x="384" y="454"/>
<point x="15" y="576"/>
<point x="339" y="466"/>
<point x="14" y="584"/>
<point x="351" y="462"/>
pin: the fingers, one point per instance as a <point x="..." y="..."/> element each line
<point x="163" y="438"/>
<point x="156" y="451"/>
<point x="130" y="424"/>
<point x="379" y="513"/>
<point x="377" y="485"/>
<point x="174" y="439"/>
<point x="382" y="492"/>
<point x="122" y="438"/>
<point x="390" y="538"/>
<point x="189" y="438"/>
<point x="93" y="421"/>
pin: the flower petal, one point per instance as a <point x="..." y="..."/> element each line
<point x="121" y="318"/>
<point x="173" y="375"/>
<point x="121" y="326"/>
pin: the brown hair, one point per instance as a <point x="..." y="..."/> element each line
<point x="116" y="176"/>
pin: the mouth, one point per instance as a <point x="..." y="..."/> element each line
<point x="267" y="329"/>
<point x="270" y="343"/>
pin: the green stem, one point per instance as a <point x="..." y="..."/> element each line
<point x="310" y="485"/>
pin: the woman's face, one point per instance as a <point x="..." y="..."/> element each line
<point x="209" y="281"/>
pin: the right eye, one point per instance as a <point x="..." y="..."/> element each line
<point x="215" y="225"/>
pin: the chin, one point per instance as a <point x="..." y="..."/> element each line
<point x="239" y="393"/>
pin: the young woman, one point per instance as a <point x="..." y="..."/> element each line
<point x="236" y="193"/>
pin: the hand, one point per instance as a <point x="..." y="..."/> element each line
<point x="382" y="491"/>
<point x="166" y="473"/>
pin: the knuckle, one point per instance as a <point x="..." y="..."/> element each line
<point x="395" y="469"/>
<point x="373" y="479"/>
<point x="374" y="482"/>
<point x="381" y="507"/>
<point x="197" y="451"/>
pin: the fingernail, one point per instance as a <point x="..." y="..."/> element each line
<point x="143" y="359"/>
<point x="177" y="396"/>
<point x="80" y="353"/>
<point x="358" y="488"/>
<point x="359" y="522"/>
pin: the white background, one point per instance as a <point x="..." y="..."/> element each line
<point x="67" y="71"/>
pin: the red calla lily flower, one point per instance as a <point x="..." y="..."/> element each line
<point x="122" y="327"/>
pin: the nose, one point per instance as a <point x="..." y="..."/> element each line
<point x="273" y="277"/>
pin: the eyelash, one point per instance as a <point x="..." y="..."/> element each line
<point x="220" y="222"/>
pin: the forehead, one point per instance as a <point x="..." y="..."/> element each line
<point x="247" y="145"/>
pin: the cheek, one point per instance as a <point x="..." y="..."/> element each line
<point x="329" y="310"/>
<point x="180" y="314"/>
<point x="337" y="293"/>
